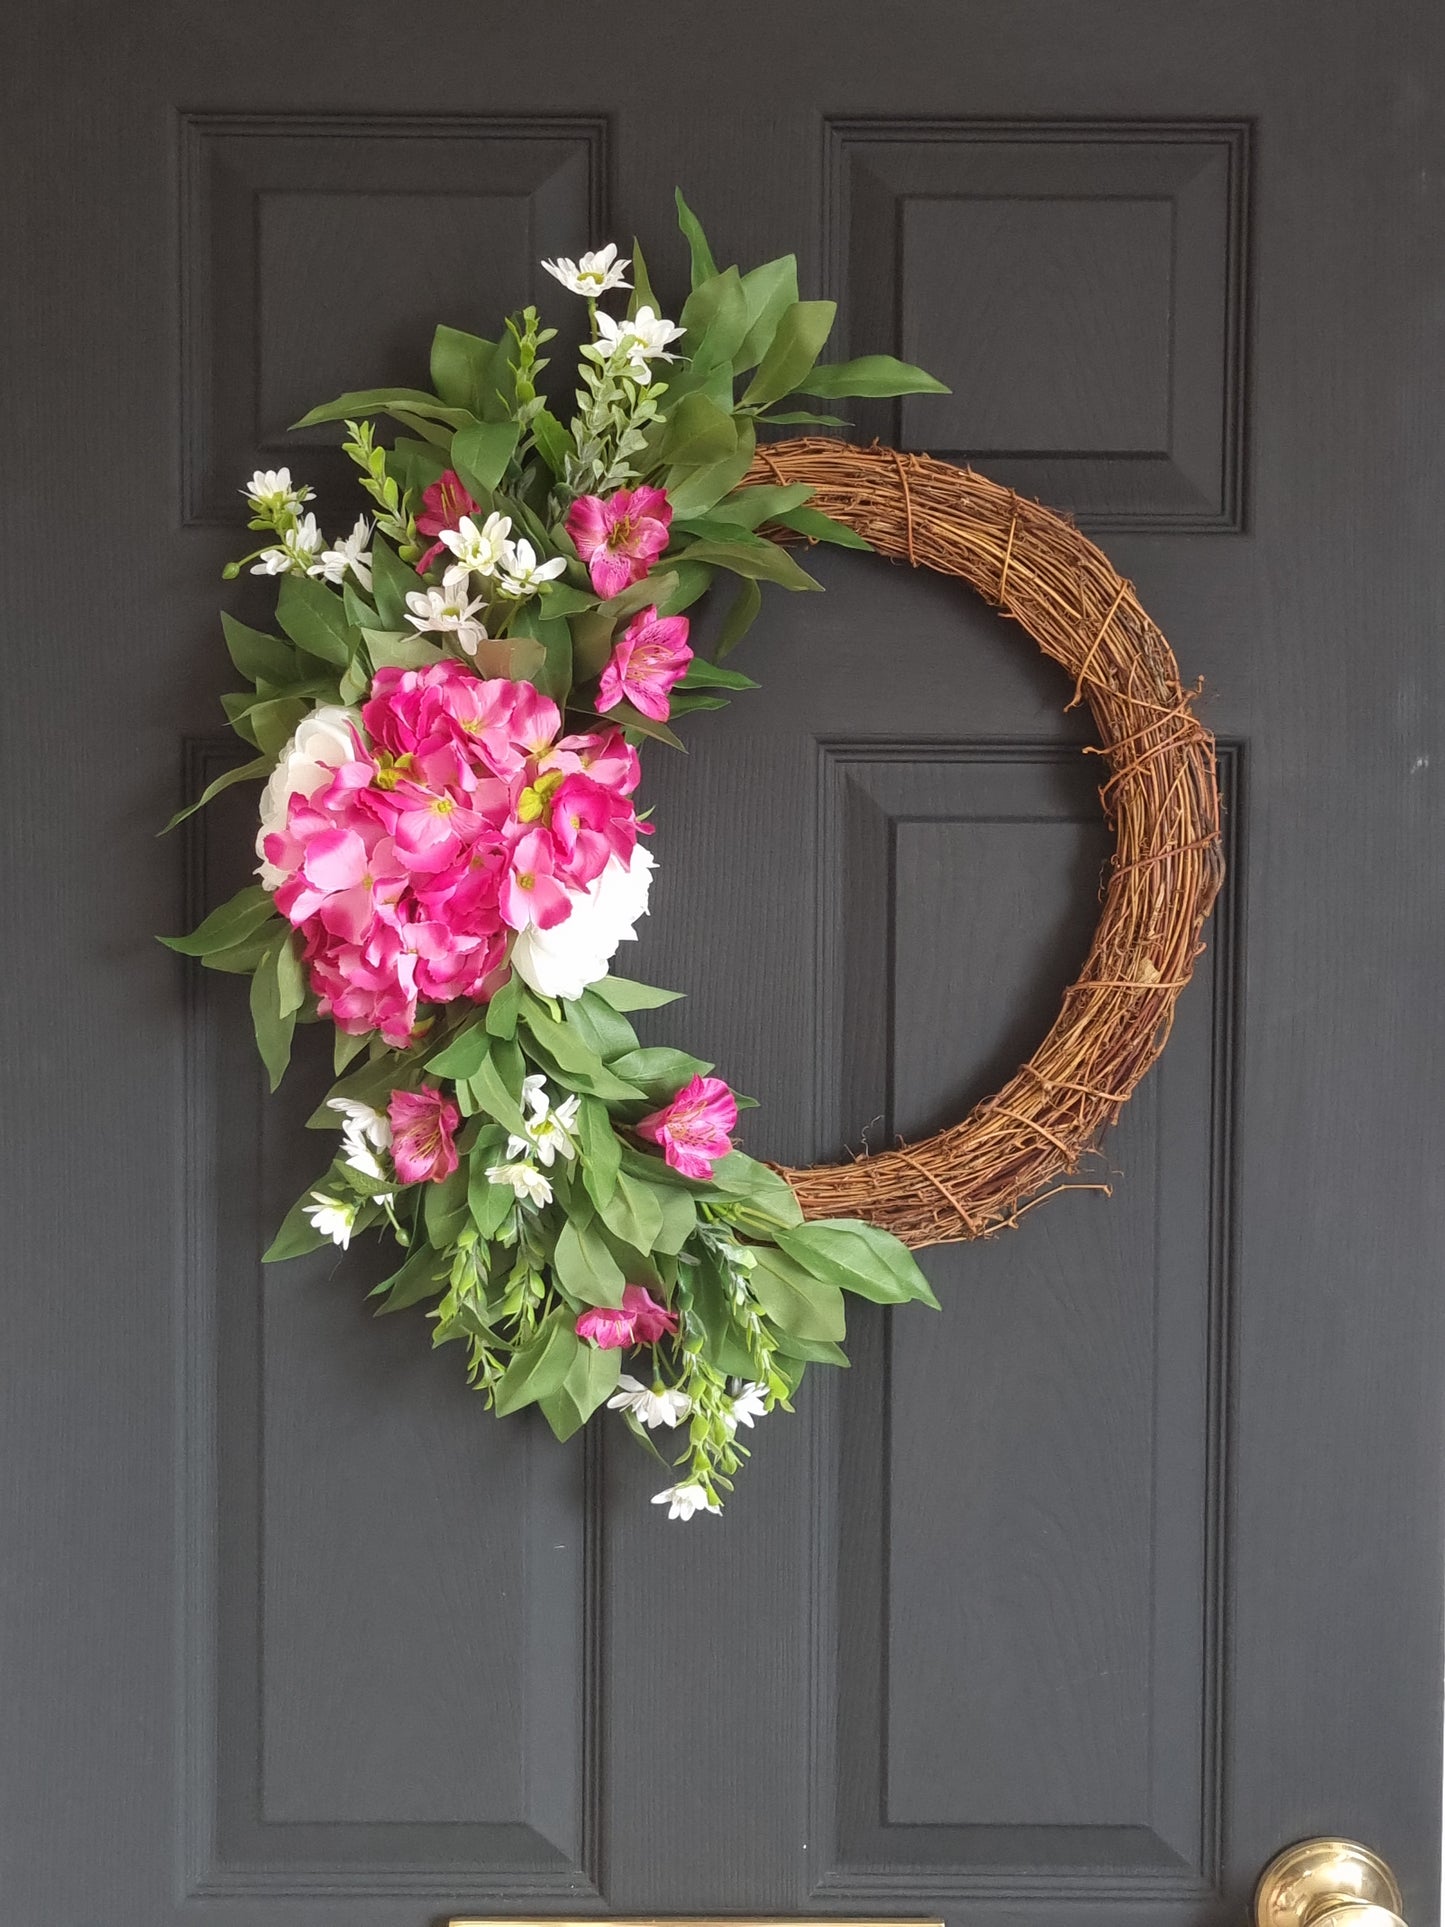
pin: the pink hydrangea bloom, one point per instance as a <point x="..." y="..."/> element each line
<point x="639" y="1320"/>
<point x="652" y="653"/>
<point x="443" y="506"/>
<point x="461" y="819"/>
<point x="619" y="538"/>
<point x="693" y="1130"/>
<point x="422" y="1123"/>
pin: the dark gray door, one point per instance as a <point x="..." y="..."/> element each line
<point x="1070" y="1605"/>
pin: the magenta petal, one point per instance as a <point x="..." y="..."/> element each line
<point x="335" y="860"/>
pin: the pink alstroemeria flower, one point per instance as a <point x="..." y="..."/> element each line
<point x="620" y="538"/>
<point x="639" y="1320"/>
<point x="652" y="654"/>
<point x="693" y="1129"/>
<point x="443" y="506"/>
<point x="422" y="1123"/>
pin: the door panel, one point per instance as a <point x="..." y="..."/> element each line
<point x="1074" y="1601"/>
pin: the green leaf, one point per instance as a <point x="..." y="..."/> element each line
<point x="795" y="1300"/>
<point x="803" y="418"/>
<point x="554" y="444"/>
<point x="518" y="658"/>
<point x="639" y="595"/>
<point x="243" y="773"/>
<point x="480" y="454"/>
<point x="391" y="582"/>
<point x="501" y="1018"/>
<point x="296" y="1236"/>
<point x="313" y="617"/>
<point x="601" y="1151"/>
<point x="757" y="1188"/>
<point x="538" y="1369"/>
<point x="260" y="658"/>
<point x="290" y="976"/>
<point x="489" y="1092"/>
<point x="344" y="1048"/>
<point x="403" y="403"/>
<point x="626" y="717"/>
<point x="227" y="925"/>
<point x="601" y="1027"/>
<point x="869" y="376"/>
<point x="697" y="432"/>
<point x="445" y="1207"/>
<point x="860" y="1258"/>
<point x="400" y="649"/>
<point x="591" y="1380"/>
<point x="823" y="528"/>
<point x="693" y="490"/>
<point x="741" y="615"/>
<point x="273" y="1025"/>
<point x="461" y="366"/>
<point x="623" y="993"/>
<point x="660" y="1070"/>
<point x="796" y="344"/>
<point x="703" y="265"/>
<point x="679" y="1219"/>
<point x="422" y="1276"/>
<point x="633" y="1213"/>
<point x="760" y="559"/>
<point x="273" y="723"/>
<point x="769" y="290"/>
<point x="692" y="579"/>
<point x="490" y="1205"/>
<point x="586" y="1269"/>
<point x="812" y="1351"/>
<point x="464" y="1055"/>
<point x="763" y="502"/>
<point x="702" y="674"/>
<point x="715" y="316"/>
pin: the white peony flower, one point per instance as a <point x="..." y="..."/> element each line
<point x="527" y="1182"/>
<point x="481" y="550"/>
<point x="683" y="1500"/>
<point x="296" y="551"/>
<point x="562" y="961"/>
<point x="334" y="1218"/>
<point x="350" y="553"/>
<point x="522" y="574"/>
<point x="448" y="611"/>
<point x="596" y="273"/>
<point x="650" y="1408"/>
<point x="272" y="497"/>
<point x="642" y="339"/>
<point x="322" y="743"/>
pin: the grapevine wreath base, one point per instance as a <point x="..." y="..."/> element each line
<point x="1161" y="798"/>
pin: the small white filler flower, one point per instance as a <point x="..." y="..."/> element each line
<point x="350" y="553"/>
<point x="334" y="1218"/>
<point x="683" y="1500"/>
<point x="550" y="1131"/>
<point x="448" y="611"/>
<point x="522" y="574"/>
<point x="294" y="553"/>
<point x="481" y="550"/>
<point x="593" y="274"/>
<point x="272" y="497"/>
<point x="650" y="1406"/>
<point x="644" y="338"/>
<point x="528" y="1183"/>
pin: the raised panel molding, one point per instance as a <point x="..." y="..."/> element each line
<point x="1050" y="1729"/>
<point x="1081" y="287"/>
<point x="284" y="219"/>
<point x="390" y="1678"/>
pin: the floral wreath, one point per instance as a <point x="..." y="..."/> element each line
<point x="449" y="855"/>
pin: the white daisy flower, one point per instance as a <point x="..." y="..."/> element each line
<point x="650" y="1406"/>
<point x="481" y="550"/>
<point x="522" y="574"/>
<point x="362" y="1121"/>
<point x="549" y="1131"/>
<point x="683" y="1500"/>
<point x="527" y="1182"/>
<point x="350" y="553"/>
<point x="334" y="1218"/>
<point x="448" y="611"/>
<point x="642" y="339"/>
<point x="594" y="274"/>
<point x="295" y="553"/>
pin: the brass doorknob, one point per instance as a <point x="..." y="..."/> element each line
<point x="1327" y="1883"/>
